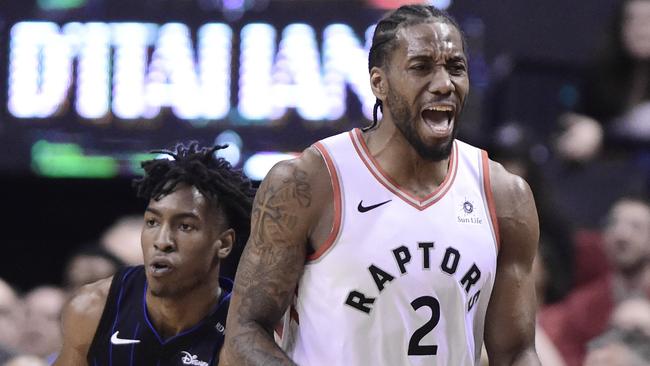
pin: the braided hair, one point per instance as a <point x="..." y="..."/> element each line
<point x="383" y="40"/>
<point x="214" y="177"/>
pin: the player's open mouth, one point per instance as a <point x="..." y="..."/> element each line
<point x="160" y="267"/>
<point x="439" y="118"/>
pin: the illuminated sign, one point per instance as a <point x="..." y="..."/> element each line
<point x="131" y="71"/>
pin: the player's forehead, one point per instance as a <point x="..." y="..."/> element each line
<point x="434" y="37"/>
<point x="183" y="199"/>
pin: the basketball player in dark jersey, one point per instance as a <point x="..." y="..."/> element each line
<point x="172" y="310"/>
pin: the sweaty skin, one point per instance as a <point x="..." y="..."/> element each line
<point x="293" y="209"/>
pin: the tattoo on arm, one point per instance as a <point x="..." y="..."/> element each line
<point x="270" y="268"/>
<point x="274" y="215"/>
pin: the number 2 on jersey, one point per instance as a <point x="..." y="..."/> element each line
<point x="415" y="348"/>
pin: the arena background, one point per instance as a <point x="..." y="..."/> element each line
<point x="66" y="166"/>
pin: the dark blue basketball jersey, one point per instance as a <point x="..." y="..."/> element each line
<point x="126" y="337"/>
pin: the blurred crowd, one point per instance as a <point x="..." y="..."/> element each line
<point x="30" y="323"/>
<point x="593" y="268"/>
<point x="591" y="182"/>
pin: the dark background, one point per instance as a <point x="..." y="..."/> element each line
<point x="524" y="55"/>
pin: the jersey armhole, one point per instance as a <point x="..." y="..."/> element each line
<point x="489" y="198"/>
<point x="336" y="193"/>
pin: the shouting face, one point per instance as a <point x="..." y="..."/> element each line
<point x="427" y="83"/>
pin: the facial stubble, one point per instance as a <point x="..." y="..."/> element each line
<point x="406" y="123"/>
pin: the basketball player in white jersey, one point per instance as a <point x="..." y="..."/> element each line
<point x="397" y="245"/>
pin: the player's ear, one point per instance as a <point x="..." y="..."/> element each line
<point x="378" y="83"/>
<point x="225" y="243"/>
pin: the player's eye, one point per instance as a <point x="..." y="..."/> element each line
<point x="456" y="68"/>
<point x="419" y="67"/>
<point x="185" y="227"/>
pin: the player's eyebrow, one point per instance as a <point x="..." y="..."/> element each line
<point x="457" y="58"/>
<point x="181" y="215"/>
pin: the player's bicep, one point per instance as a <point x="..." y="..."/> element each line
<point x="274" y="256"/>
<point x="71" y="355"/>
<point x="510" y="322"/>
<point x="79" y="321"/>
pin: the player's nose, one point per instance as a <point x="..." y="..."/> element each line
<point x="440" y="83"/>
<point x="164" y="240"/>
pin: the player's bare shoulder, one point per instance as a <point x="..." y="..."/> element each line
<point x="512" y="194"/>
<point x="515" y="208"/>
<point x="294" y="203"/>
<point x="80" y="318"/>
<point x="89" y="300"/>
<point x="308" y="166"/>
<point x="83" y="311"/>
<point x="304" y="182"/>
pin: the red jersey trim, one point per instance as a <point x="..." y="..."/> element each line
<point x="336" y="190"/>
<point x="383" y="178"/>
<point x="487" y="187"/>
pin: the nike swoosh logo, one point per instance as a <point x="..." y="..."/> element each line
<point x="363" y="208"/>
<point x="119" y="341"/>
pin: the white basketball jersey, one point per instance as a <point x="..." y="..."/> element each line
<point x="400" y="280"/>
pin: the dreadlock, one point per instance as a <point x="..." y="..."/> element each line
<point x="214" y="177"/>
<point x="383" y="40"/>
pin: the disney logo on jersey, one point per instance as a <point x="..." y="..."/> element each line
<point x="190" y="359"/>
<point x="468" y="213"/>
<point x="220" y="328"/>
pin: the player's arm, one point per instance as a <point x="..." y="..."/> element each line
<point x="80" y="318"/>
<point x="510" y="321"/>
<point x="284" y="211"/>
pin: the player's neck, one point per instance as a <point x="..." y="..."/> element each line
<point x="173" y="315"/>
<point x="397" y="158"/>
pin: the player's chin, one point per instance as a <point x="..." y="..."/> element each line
<point x="437" y="143"/>
<point x="160" y="290"/>
<point x="438" y="151"/>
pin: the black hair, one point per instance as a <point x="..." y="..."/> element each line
<point x="222" y="185"/>
<point x="91" y="250"/>
<point x="383" y="39"/>
<point x="95" y="250"/>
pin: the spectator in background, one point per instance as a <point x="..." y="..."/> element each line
<point x="41" y="335"/>
<point x="512" y="147"/>
<point x="122" y="239"/>
<point x="626" y="239"/>
<point x="633" y="314"/>
<point x="10" y="320"/>
<point x="611" y="124"/>
<point x="616" y="94"/>
<point x="26" y="360"/>
<point x="619" y="348"/>
<point x="627" y="244"/>
<point x="89" y="264"/>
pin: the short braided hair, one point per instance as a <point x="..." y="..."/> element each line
<point x="384" y="37"/>
<point x="223" y="186"/>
